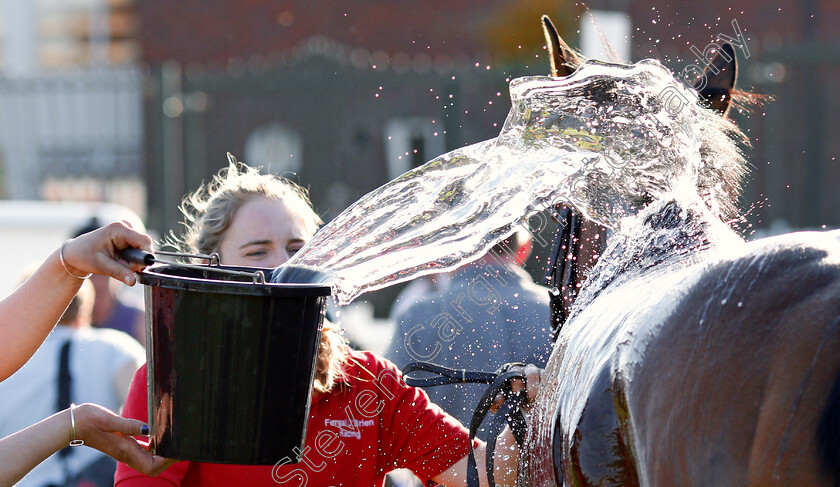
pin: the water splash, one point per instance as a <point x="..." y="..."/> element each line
<point x="601" y="139"/>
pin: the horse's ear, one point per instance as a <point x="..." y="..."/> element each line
<point x="563" y="59"/>
<point x="715" y="87"/>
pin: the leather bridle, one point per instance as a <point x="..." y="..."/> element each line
<point x="510" y="411"/>
<point x="561" y="274"/>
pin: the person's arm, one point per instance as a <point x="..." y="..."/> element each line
<point x="98" y="427"/>
<point x="30" y="312"/>
<point x="505" y="464"/>
<point x="506" y="454"/>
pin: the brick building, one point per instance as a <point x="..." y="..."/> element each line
<point x="356" y="89"/>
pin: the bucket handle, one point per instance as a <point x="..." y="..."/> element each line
<point x="141" y="257"/>
<point x="213" y="259"/>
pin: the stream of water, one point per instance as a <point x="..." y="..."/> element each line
<point x="599" y="138"/>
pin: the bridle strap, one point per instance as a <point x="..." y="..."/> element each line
<point x="446" y="375"/>
<point x="561" y="274"/>
<point x="510" y="411"/>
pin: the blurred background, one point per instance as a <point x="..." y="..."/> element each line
<point x="135" y="103"/>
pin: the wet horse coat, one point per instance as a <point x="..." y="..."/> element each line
<point x="702" y="361"/>
<point x="691" y="357"/>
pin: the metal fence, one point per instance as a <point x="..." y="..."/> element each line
<point x="795" y="144"/>
<point x="338" y="129"/>
<point x="70" y="125"/>
<point x="343" y="128"/>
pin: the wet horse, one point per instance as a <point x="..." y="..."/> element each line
<point x="688" y="356"/>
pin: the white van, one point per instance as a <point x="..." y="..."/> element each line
<point x="31" y="230"/>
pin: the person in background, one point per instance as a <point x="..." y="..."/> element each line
<point x="26" y="318"/>
<point x="76" y="363"/>
<point x="112" y="309"/>
<point x="416" y="290"/>
<point x="491" y="313"/>
<point x="259" y="220"/>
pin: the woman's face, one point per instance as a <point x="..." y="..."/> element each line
<point x="263" y="233"/>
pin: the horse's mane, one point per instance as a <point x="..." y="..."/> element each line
<point x="719" y="181"/>
<point x="724" y="164"/>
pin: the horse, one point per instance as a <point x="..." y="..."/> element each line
<point x="684" y="355"/>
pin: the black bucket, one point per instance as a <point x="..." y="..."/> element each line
<point x="230" y="363"/>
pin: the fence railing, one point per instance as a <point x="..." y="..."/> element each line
<point x="70" y="125"/>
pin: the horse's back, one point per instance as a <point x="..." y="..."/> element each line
<point x="741" y="384"/>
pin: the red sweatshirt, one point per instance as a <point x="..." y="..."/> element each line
<point x="368" y="426"/>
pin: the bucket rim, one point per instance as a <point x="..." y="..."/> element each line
<point x="154" y="277"/>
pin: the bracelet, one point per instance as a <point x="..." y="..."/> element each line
<point x="74" y="441"/>
<point x="64" y="264"/>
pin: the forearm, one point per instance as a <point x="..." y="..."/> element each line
<point x="505" y="462"/>
<point x="29" y="314"/>
<point x="456" y="475"/>
<point x="24" y="450"/>
<point x="95" y="427"/>
<point x="506" y="458"/>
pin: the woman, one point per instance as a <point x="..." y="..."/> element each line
<point x="26" y="318"/>
<point x="257" y="220"/>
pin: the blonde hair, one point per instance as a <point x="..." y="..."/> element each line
<point x="209" y="210"/>
<point x="207" y="215"/>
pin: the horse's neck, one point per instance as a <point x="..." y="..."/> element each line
<point x="666" y="235"/>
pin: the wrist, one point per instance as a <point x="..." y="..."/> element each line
<point x="74" y="428"/>
<point x="68" y="267"/>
